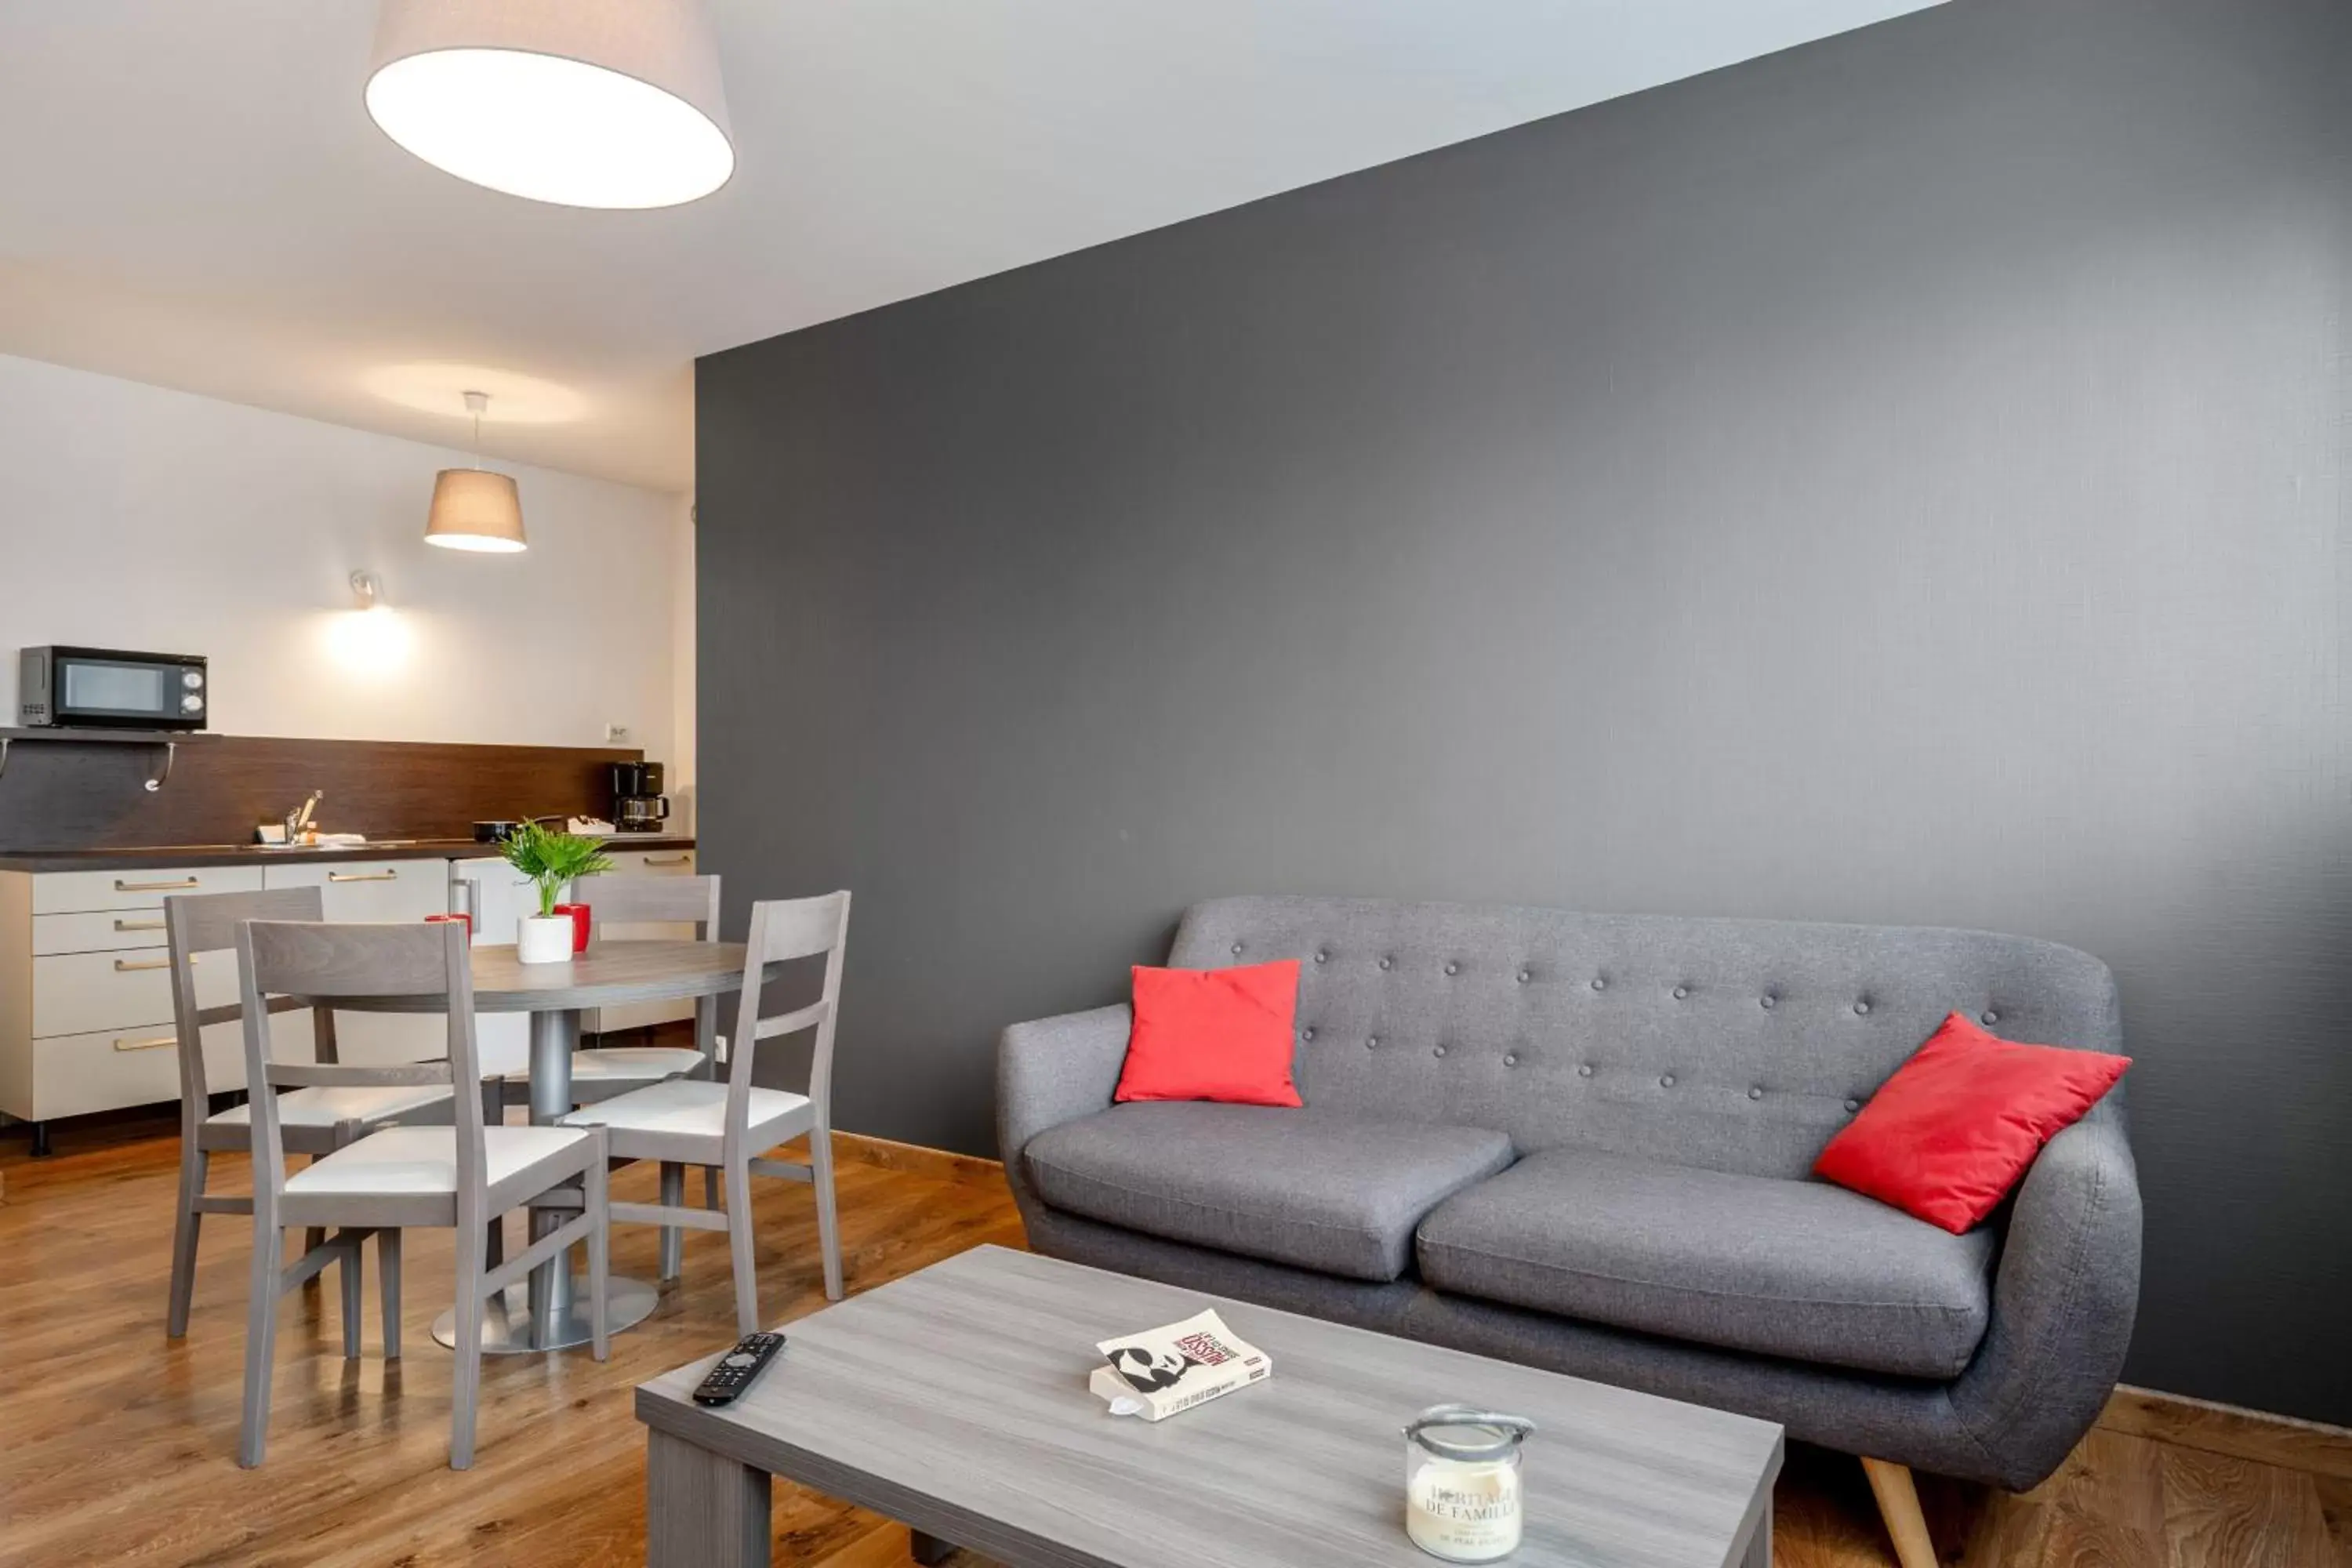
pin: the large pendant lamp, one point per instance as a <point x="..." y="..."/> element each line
<point x="474" y="509"/>
<point x="585" y="103"/>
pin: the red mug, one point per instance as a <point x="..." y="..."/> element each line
<point x="579" y="914"/>
<point x="464" y="920"/>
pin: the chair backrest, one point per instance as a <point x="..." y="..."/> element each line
<point x="428" y="965"/>
<point x="198" y="926"/>
<point x="783" y="928"/>
<point x="620" y="900"/>
<point x="626" y="900"/>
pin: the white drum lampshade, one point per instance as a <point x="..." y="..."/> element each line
<point x="475" y="508"/>
<point x="585" y="103"/>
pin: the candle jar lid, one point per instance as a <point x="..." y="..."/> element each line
<point x="1467" y="1434"/>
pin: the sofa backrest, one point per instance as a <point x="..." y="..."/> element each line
<point x="1733" y="1045"/>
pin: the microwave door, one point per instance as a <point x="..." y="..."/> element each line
<point x="101" y="689"/>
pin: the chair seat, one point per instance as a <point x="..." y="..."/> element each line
<point x="1309" y="1188"/>
<point x="423" y="1161"/>
<point x="320" y="1106"/>
<point x="1796" y="1269"/>
<point x="685" y="1119"/>
<point x="647" y="1064"/>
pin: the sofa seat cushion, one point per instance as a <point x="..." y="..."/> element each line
<point x="1795" y="1268"/>
<point x="1332" y="1194"/>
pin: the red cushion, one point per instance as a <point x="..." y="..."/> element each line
<point x="1213" y="1034"/>
<point x="1958" y="1123"/>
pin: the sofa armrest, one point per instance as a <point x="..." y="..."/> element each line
<point x="2062" y="1305"/>
<point x="1056" y="1070"/>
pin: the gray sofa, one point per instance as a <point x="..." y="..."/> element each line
<point x="1582" y="1143"/>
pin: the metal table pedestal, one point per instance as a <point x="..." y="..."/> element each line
<point x="549" y="1312"/>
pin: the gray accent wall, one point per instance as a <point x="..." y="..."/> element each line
<point x="1900" y="479"/>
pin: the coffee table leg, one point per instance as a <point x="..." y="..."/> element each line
<point x="702" y="1510"/>
<point x="1759" y="1545"/>
<point x="929" y="1550"/>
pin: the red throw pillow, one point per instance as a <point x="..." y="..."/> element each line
<point x="1213" y="1034"/>
<point x="1958" y="1123"/>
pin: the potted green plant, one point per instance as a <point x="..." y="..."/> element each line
<point x="552" y="861"/>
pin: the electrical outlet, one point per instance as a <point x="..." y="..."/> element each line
<point x="617" y="731"/>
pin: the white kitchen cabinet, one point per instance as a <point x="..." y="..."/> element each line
<point x="400" y="892"/>
<point x="86" y="989"/>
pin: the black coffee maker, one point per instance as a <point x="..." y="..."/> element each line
<point x="638" y="804"/>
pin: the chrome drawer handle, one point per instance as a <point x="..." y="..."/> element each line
<point x="157" y="1044"/>
<point x="125" y="965"/>
<point x="672" y="860"/>
<point x="363" y="876"/>
<point x="139" y="925"/>
<point x="123" y="887"/>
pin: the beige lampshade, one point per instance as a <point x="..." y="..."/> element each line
<point x="474" y="509"/>
<point x="587" y="103"/>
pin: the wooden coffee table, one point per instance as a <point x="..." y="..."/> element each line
<point x="955" y="1400"/>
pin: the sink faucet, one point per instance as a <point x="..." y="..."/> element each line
<point x="298" y="821"/>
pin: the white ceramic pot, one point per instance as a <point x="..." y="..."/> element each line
<point x="543" y="939"/>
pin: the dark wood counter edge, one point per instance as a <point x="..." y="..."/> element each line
<point x="146" y="859"/>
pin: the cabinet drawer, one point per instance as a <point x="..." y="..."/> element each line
<point x="75" y="1074"/>
<point x="107" y="932"/>
<point x="372" y="890"/>
<point x="67" y="893"/>
<point x="652" y="862"/>
<point x="82" y="993"/>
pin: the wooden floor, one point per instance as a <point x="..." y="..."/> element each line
<point x="115" y="1443"/>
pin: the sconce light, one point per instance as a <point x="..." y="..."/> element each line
<point x="368" y="639"/>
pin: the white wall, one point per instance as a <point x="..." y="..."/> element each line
<point x="135" y="517"/>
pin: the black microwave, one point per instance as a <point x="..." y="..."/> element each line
<point x="107" y="687"/>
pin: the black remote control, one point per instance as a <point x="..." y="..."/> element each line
<point x="736" y="1368"/>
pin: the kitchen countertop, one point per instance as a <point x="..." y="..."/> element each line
<point x="170" y="855"/>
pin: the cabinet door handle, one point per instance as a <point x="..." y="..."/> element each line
<point x="125" y="965"/>
<point x="669" y="860"/>
<point x="139" y="925"/>
<point x="123" y="887"/>
<point x="157" y="1044"/>
<point x="363" y="876"/>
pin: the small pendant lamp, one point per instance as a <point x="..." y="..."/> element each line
<point x="474" y="509"/>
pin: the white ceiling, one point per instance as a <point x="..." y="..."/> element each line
<point x="191" y="194"/>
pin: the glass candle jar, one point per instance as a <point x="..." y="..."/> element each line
<point x="1463" y="1498"/>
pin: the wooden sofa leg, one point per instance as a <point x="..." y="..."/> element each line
<point x="1898" y="1505"/>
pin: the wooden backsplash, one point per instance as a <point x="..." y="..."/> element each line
<point x="60" y="795"/>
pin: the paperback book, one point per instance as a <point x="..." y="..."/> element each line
<point x="1162" y="1370"/>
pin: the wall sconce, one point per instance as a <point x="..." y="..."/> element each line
<point x="368" y="639"/>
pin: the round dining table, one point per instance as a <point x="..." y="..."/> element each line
<point x="549" y="1311"/>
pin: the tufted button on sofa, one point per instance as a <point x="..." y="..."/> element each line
<point x="1626" y="1202"/>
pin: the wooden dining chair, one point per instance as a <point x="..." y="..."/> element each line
<point x="600" y="1072"/>
<point x="729" y="1126"/>
<point x="201" y="928"/>
<point x="459" y="1177"/>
